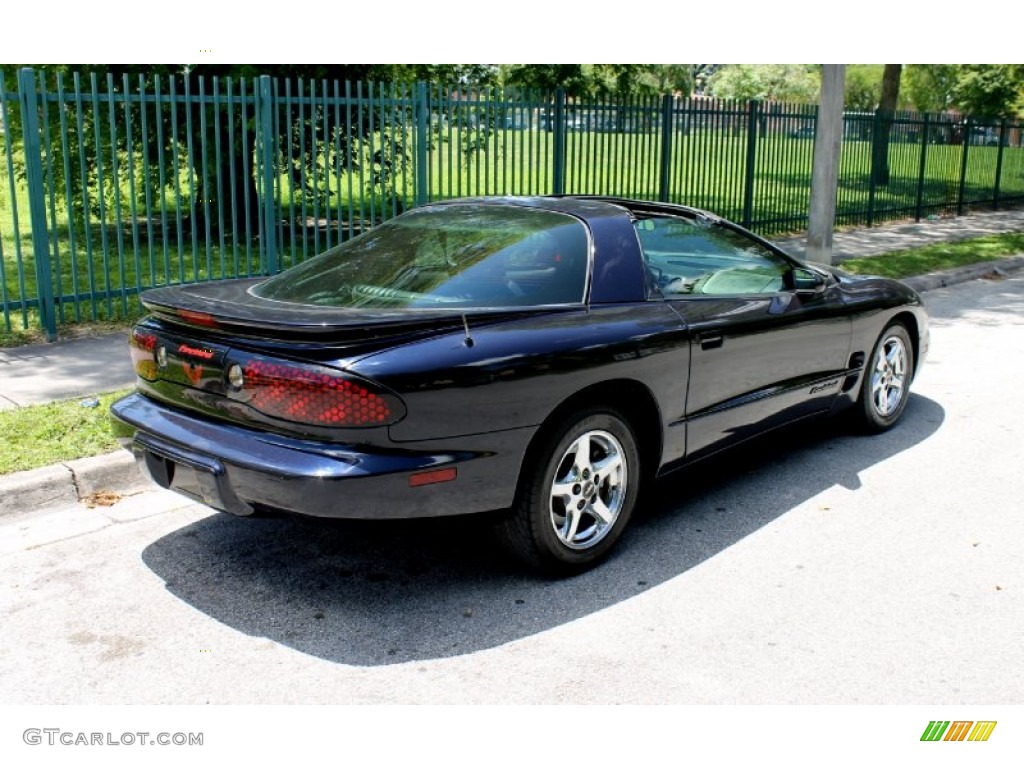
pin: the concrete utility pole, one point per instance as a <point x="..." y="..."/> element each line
<point x="825" y="175"/>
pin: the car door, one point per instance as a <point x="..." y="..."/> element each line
<point x="769" y="341"/>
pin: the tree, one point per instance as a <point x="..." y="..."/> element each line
<point x="929" y="87"/>
<point x="640" y="80"/>
<point x="547" y="77"/>
<point x="236" y="195"/>
<point x="442" y="74"/>
<point x="887" y="102"/>
<point x="675" y="78"/>
<point x="980" y="90"/>
<point x="863" y="87"/>
<point x="989" y="90"/>
<point x="601" y="80"/>
<point x="776" y="82"/>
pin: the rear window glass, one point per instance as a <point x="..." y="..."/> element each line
<point x="456" y="256"/>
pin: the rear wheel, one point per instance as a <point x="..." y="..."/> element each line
<point x="886" y="386"/>
<point x="577" y="494"/>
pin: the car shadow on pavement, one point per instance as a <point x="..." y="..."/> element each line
<point x="377" y="593"/>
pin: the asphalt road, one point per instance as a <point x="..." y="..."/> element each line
<point x="813" y="567"/>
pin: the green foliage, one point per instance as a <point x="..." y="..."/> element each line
<point x="445" y="74"/>
<point x="181" y="130"/>
<point x="929" y="87"/>
<point x="776" y="82"/>
<point x="633" y="80"/>
<point x="980" y="90"/>
<point x="547" y="77"/>
<point x="989" y="90"/>
<point x="863" y="87"/>
<point x="674" y="78"/>
<point x="601" y="80"/>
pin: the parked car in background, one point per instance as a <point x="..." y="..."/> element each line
<point x="536" y="359"/>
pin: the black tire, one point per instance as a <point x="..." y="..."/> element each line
<point x="888" y="373"/>
<point x="564" y="533"/>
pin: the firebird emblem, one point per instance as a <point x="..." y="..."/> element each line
<point x="205" y="354"/>
<point x="193" y="371"/>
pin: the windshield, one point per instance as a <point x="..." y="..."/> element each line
<point x="458" y="256"/>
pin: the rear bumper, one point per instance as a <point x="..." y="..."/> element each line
<point x="235" y="469"/>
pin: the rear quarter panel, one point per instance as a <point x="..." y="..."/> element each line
<point x="515" y="374"/>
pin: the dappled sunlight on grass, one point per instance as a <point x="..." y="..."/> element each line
<point x="931" y="258"/>
<point x="40" y="435"/>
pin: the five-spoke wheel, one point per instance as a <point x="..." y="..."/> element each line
<point x="577" y="494"/>
<point x="588" y="489"/>
<point x="886" y="385"/>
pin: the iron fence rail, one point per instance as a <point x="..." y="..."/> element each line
<point x="112" y="186"/>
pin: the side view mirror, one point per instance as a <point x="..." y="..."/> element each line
<point x="807" y="282"/>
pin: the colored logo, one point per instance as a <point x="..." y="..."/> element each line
<point x="958" y="730"/>
<point x="194" y="371"/>
<point x="205" y="354"/>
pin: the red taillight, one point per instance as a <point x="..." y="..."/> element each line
<point x="314" y="396"/>
<point x="197" y="318"/>
<point x="141" y="346"/>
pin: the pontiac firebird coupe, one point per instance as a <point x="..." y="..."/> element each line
<point x="537" y="358"/>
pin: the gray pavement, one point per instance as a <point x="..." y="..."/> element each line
<point x="872" y="241"/>
<point x="41" y="373"/>
<point x="84" y="366"/>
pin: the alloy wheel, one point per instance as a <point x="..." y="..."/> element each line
<point x="588" y="489"/>
<point x="888" y="376"/>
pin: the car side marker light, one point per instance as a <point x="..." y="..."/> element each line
<point x="432" y="476"/>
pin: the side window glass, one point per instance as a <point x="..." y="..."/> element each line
<point x="685" y="257"/>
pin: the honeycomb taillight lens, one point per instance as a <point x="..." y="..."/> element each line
<point x="316" y="396"/>
<point x="142" y="347"/>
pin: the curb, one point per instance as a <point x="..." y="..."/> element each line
<point x="62" y="485"/>
<point x="947" y="277"/>
<point x="82" y="480"/>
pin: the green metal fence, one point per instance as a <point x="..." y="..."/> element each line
<point x="109" y="187"/>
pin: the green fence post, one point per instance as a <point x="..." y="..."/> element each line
<point x="266" y="144"/>
<point x="37" y="200"/>
<point x="962" y="188"/>
<point x="422" y="171"/>
<point x="999" y="164"/>
<point x="919" y="206"/>
<point x="753" y="116"/>
<point x="667" y="104"/>
<point x="559" y="137"/>
<point x="876" y="129"/>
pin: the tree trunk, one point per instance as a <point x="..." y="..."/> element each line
<point x="886" y="115"/>
<point x="237" y="181"/>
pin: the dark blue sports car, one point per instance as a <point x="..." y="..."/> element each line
<point x="535" y="358"/>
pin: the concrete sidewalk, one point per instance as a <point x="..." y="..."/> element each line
<point x="42" y="373"/>
<point x="85" y="366"/>
<point x="872" y="241"/>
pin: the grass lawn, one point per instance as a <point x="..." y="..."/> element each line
<point x="39" y="435"/>
<point x="931" y="258"/>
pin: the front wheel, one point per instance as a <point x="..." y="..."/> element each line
<point x="577" y="494"/>
<point x="886" y="386"/>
